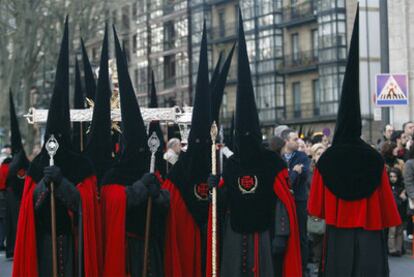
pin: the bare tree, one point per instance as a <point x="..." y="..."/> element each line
<point x="31" y="32"/>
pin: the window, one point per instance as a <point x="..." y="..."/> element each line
<point x="222" y="23"/>
<point x="296" y="99"/>
<point x="295" y="47"/>
<point x="134" y="44"/>
<point x="315" y="43"/>
<point x="125" y="17"/>
<point x="114" y="17"/>
<point x="316" y="97"/>
<point x="169" y="35"/>
<point x="134" y="10"/>
<point x="169" y="71"/>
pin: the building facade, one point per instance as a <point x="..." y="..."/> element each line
<point x="297" y="51"/>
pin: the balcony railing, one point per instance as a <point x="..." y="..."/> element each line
<point x="310" y="111"/>
<point x="300" y="61"/>
<point x="300" y="13"/>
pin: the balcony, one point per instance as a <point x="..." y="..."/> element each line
<point x="299" y="14"/>
<point x="300" y="62"/>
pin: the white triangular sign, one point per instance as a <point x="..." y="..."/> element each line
<point x="392" y="91"/>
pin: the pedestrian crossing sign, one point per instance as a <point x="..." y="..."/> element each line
<point x="392" y="89"/>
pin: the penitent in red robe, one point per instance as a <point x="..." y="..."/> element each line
<point x="182" y="255"/>
<point x="291" y="260"/>
<point x="376" y="212"/>
<point x="25" y="253"/>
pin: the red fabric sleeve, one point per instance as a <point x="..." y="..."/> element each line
<point x="4" y="171"/>
<point x="25" y="254"/>
<point x="113" y="203"/>
<point x="92" y="240"/>
<point x="182" y="242"/>
<point x="292" y="265"/>
<point x="376" y="212"/>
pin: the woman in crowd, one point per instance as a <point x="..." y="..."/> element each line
<point x="395" y="234"/>
<point x="388" y="152"/>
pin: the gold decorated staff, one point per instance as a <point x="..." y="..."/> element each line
<point x="213" y="133"/>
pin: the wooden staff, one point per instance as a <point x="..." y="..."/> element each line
<point x="213" y="133"/>
<point x="153" y="144"/>
<point x="52" y="146"/>
<point x="80" y="222"/>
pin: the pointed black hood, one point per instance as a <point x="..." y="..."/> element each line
<point x="78" y="135"/>
<point x="199" y="137"/>
<point x="160" y="163"/>
<point x="90" y="83"/>
<point x="251" y="171"/>
<point x="73" y="166"/>
<point x="218" y="84"/>
<point x="134" y="158"/>
<point x="190" y="172"/>
<point x="351" y="168"/>
<point x="247" y="136"/>
<point x="99" y="146"/>
<point x="16" y="138"/>
<point x="348" y="120"/>
<point x="19" y="158"/>
<point x="19" y="163"/>
<point x="197" y="158"/>
<point x="58" y="120"/>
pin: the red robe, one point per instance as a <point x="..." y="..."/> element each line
<point x="182" y="255"/>
<point x="113" y="204"/>
<point x="25" y="253"/>
<point x="292" y="265"/>
<point x="376" y="212"/>
<point x="4" y="171"/>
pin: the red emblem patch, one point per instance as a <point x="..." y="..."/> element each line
<point x="21" y="173"/>
<point x="247" y="184"/>
<point x="201" y="191"/>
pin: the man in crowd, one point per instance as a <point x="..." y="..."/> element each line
<point x="298" y="166"/>
<point x="386" y="135"/>
<point x="400" y="139"/>
<point x="408" y="128"/>
<point x="173" y="151"/>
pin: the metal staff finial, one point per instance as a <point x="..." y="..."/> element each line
<point x="52" y="146"/>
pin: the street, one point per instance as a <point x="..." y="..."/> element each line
<point x="399" y="267"/>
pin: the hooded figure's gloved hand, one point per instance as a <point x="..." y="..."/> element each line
<point x="52" y="174"/>
<point x="152" y="184"/>
<point x="213" y="181"/>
